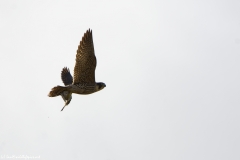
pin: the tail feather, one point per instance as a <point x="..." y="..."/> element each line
<point x="56" y="91"/>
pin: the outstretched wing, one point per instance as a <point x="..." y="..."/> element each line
<point x="84" y="70"/>
<point x="66" y="76"/>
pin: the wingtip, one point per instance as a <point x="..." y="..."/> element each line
<point x="89" y="31"/>
<point x="65" y="70"/>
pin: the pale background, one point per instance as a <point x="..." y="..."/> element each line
<point x="171" y="70"/>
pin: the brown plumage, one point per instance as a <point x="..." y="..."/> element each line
<point x="56" y="91"/>
<point x="84" y="73"/>
<point x="84" y="70"/>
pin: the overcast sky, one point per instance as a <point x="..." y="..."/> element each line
<point x="171" y="70"/>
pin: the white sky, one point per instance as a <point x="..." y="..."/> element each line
<point x="171" y="70"/>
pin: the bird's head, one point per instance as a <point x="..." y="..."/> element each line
<point x="100" y="86"/>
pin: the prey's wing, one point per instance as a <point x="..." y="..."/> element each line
<point x="84" y="70"/>
<point x="66" y="76"/>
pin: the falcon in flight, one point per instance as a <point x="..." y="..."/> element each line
<point x="83" y="81"/>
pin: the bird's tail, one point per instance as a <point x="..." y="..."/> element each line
<point x="56" y="91"/>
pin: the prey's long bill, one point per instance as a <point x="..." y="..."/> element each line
<point x="64" y="106"/>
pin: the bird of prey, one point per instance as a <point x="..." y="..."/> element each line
<point x="83" y="81"/>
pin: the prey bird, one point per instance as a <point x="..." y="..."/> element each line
<point x="83" y="81"/>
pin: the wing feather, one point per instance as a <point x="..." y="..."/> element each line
<point x="66" y="76"/>
<point x="84" y="70"/>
